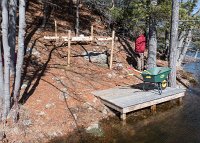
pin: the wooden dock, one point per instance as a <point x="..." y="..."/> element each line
<point x="128" y="99"/>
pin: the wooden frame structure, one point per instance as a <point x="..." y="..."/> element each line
<point x="70" y="39"/>
<point x="127" y="99"/>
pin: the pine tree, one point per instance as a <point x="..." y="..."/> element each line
<point x="6" y="49"/>
<point x="20" y="56"/>
<point x="173" y="42"/>
<point x="12" y="32"/>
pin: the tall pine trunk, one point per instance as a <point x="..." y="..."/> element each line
<point x="151" y="61"/>
<point x="1" y="83"/>
<point x="173" y="42"/>
<point x="20" y="55"/>
<point x="166" y="45"/>
<point x="6" y="48"/>
<point x="70" y="4"/>
<point x="12" y="32"/>
<point x="113" y="3"/>
<point x="180" y="44"/>
<point x="185" y="47"/>
<point x="46" y="13"/>
<point x="77" y="17"/>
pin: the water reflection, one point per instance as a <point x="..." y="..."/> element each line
<point x="192" y="67"/>
<point x="180" y="126"/>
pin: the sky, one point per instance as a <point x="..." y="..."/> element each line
<point x="198" y="6"/>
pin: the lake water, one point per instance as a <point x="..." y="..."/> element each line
<point x="171" y="123"/>
<point x="189" y="53"/>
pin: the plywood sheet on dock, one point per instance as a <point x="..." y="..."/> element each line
<point x="127" y="99"/>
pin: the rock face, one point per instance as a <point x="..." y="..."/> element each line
<point x="63" y="95"/>
<point x="95" y="130"/>
<point x="96" y="57"/>
<point x="2" y="135"/>
<point x="33" y="51"/>
<point x="27" y="122"/>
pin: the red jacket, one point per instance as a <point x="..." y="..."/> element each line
<point x="140" y="44"/>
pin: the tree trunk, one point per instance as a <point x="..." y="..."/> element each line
<point x="1" y="83"/>
<point x="151" y="61"/>
<point x="12" y="32"/>
<point x="180" y="44"/>
<point x="173" y="42"/>
<point x="46" y="13"/>
<point x="166" y="45"/>
<point x="77" y="17"/>
<point x="185" y="47"/>
<point x="20" y="55"/>
<point x="71" y="5"/>
<point x="113" y="3"/>
<point x="6" y="48"/>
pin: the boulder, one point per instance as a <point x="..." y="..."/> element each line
<point x="96" y="57"/>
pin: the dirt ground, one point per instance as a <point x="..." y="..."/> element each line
<point x="56" y="98"/>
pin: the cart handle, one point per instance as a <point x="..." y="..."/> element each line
<point x="159" y="71"/>
<point x="134" y="70"/>
<point x="147" y="71"/>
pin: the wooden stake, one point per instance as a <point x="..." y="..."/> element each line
<point x="153" y="109"/>
<point x="92" y="33"/>
<point x="112" y="48"/>
<point x="123" y="116"/>
<point x="56" y="31"/>
<point x="69" y="47"/>
<point x="180" y="101"/>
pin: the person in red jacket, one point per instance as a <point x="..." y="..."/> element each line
<point x="140" y="46"/>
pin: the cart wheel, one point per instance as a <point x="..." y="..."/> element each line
<point x="163" y="84"/>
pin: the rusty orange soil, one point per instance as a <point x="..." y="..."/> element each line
<point x="57" y="97"/>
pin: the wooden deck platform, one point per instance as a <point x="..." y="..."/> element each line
<point x="128" y="99"/>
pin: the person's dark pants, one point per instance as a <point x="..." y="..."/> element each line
<point x="140" y="61"/>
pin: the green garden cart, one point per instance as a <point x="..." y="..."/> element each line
<point x="158" y="76"/>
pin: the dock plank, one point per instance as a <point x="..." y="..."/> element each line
<point x="142" y="97"/>
<point x="127" y="99"/>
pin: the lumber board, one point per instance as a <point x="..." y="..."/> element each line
<point x="103" y="38"/>
<point x="112" y="49"/>
<point x="153" y="102"/>
<point x="51" y="37"/>
<point x="78" y="39"/>
<point x="127" y="99"/>
<point x="69" y="48"/>
<point x="115" y="107"/>
<point x="137" y="98"/>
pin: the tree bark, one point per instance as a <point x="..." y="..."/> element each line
<point x="185" y="47"/>
<point x="77" y="17"/>
<point x="71" y="5"/>
<point x="173" y="42"/>
<point x="46" y="13"/>
<point x="6" y="48"/>
<point x="151" y="61"/>
<point x="166" y="45"/>
<point x="180" y="43"/>
<point x="20" y="55"/>
<point x="12" y="32"/>
<point x="113" y="3"/>
<point x="1" y="83"/>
